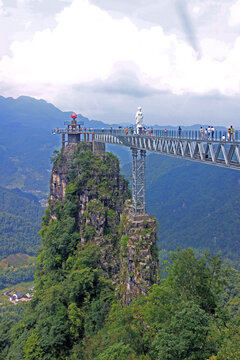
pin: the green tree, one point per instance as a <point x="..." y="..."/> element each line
<point x="185" y="337"/>
<point x="118" y="351"/>
<point x="199" y="280"/>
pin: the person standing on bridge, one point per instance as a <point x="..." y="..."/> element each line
<point x="229" y="134"/>
<point x="209" y="132"/>
<point x="205" y="133"/>
<point x="179" y="131"/>
<point x="212" y="131"/>
<point x="232" y="131"/>
<point x="201" y="132"/>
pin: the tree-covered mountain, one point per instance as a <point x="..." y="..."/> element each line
<point x="20" y="219"/>
<point x="78" y="312"/>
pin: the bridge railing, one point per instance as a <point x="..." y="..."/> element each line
<point x="70" y="123"/>
<point x="217" y="135"/>
<point x="81" y="130"/>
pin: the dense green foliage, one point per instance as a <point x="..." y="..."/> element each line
<point x="73" y="293"/>
<point x="9" y="316"/>
<point x="193" y="314"/>
<point x="14" y="276"/>
<point x="20" y="218"/>
<point x="196" y="205"/>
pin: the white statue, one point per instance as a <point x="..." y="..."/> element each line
<point x="139" y="120"/>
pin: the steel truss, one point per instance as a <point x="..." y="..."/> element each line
<point x="138" y="181"/>
<point x="220" y="153"/>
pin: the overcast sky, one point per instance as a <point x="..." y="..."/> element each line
<point x="179" y="60"/>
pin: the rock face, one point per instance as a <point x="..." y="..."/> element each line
<point x="139" y="255"/>
<point x="126" y="244"/>
<point x="59" y="178"/>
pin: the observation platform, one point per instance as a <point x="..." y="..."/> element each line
<point x="75" y="132"/>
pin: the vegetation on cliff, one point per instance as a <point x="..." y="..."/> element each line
<point x="193" y="313"/>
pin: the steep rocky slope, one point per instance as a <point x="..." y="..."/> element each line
<point x="103" y="220"/>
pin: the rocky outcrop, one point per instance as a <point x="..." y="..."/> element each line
<point x="127" y="244"/>
<point x="139" y="255"/>
<point x="59" y="179"/>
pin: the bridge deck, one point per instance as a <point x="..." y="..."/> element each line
<point x="191" y="145"/>
<point x="216" y="149"/>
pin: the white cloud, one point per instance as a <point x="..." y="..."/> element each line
<point x="2" y="10"/>
<point x="216" y="49"/>
<point x="88" y="42"/>
<point x="234" y="18"/>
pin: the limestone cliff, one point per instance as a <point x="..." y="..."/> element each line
<point x="126" y="244"/>
<point x="59" y="178"/>
<point x="139" y="254"/>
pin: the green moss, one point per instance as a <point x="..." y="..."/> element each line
<point x="95" y="206"/>
<point x="124" y="240"/>
<point x="89" y="232"/>
<point x="71" y="189"/>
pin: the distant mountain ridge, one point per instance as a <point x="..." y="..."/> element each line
<point x="37" y="113"/>
<point x="27" y="143"/>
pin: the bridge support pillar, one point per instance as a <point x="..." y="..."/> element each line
<point x="138" y="181"/>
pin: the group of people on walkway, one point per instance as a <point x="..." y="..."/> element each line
<point x="209" y="132"/>
<point x="130" y="130"/>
